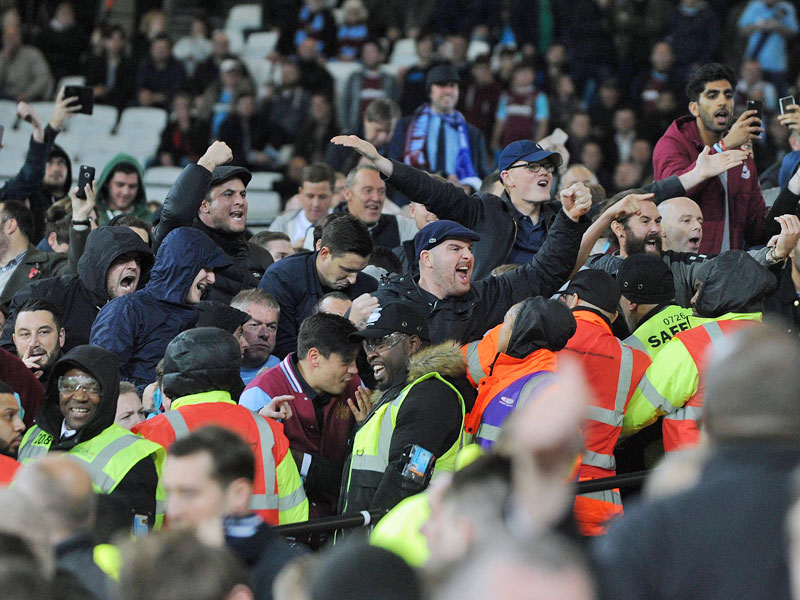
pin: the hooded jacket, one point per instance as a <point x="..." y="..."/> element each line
<point x="200" y="360"/>
<point x="136" y="493"/>
<point x="248" y="261"/>
<point x="140" y="209"/>
<point x="43" y="199"/>
<point x="541" y="328"/>
<point x="733" y="282"/>
<point x="676" y="153"/>
<point x="138" y="327"/>
<point x="80" y="297"/>
<point x="430" y="416"/>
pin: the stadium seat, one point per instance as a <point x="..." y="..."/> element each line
<point x="259" y="44"/>
<point x="8" y="113"/>
<point x="262" y="207"/>
<point x="341" y="71"/>
<point x="264" y="180"/>
<point x="477" y="48"/>
<point x="102" y="120"/>
<point x="404" y="53"/>
<point x="139" y="119"/>
<point x="244" y="16"/>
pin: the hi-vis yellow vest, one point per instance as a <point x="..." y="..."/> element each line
<point x="372" y="442"/>
<point x="108" y="457"/>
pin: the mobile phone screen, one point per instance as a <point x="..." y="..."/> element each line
<point x="786" y="102"/>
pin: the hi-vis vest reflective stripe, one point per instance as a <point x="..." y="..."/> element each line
<point x="612" y="417"/>
<point x="372" y="442"/>
<point x="263" y="500"/>
<point x="108" y="457"/>
<point x="680" y="427"/>
<point x="652" y="335"/>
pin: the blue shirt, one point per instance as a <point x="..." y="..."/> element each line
<point x="248" y="375"/>
<point x="530" y="238"/>
<point x="772" y="55"/>
<point x="788" y="167"/>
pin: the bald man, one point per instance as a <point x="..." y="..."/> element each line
<point x="59" y="488"/>
<point x="681" y="224"/>
<point x="577" y="173"/>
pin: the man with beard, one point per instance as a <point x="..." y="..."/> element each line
<point x="55" y="186"/>
<point x="139" y="326"/>
<point x="114" y="261"/>
<point x="39" y="337"/>
<point x="421" y="402"/>
<point x="257" y="339"/>
<point x="636" y="228"/>
<point x="11" y="431"/>
<point x="732" y="204"/>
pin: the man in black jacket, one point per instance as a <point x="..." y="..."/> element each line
<point x="212" y="197"/>
<point x="298" y="282"/>
<point x="115" y="260"/>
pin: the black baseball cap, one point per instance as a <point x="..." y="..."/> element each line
<point x="646" y="279"/>
<point x="393" y="317"/>
<point x="595" y="287"/>
<point x="441" y="74"/>
<point x="436" y="232"/>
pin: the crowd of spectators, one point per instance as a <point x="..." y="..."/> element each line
<point x="552" y="243"/>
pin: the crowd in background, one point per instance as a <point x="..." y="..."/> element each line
<point x="524" y="246"/>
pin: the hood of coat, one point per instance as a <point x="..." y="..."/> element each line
<point x="540" y="323"/>
<point x="59" y="152"/>
<point x="104" y="367"/>
<point x="445" y="358"/>
<point x="732" y="282"/>
<point x="203" y="359"/>
<point x="103" y="246"/>
<point x="683" y="131"/>
<point x="141" y="195"/>
<point x="180" y="257"/>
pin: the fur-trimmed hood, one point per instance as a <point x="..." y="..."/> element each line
<point x="445" y="358"/>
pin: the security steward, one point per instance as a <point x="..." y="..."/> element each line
<point x="77" y="417"/>
<point x="420" y="402"/>
<point x="613" y="370"/>
<point x="648" y="303"/>
<point x="202" y="377"/>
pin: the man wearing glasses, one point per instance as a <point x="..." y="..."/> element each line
<point x="421" y="406"/>
<point x="77" y="417"/>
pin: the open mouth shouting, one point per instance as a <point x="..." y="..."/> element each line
<point x="693" y="244"/>
<point x="237" y="218"/>
<point x="652" y="243"/>
<point x="128" y="281"/>
<point x="721" y="117"/>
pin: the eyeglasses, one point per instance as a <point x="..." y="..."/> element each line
<point x="534" y="167"/>
<point x="70" y="385"/>
<point x="384" y="343"/>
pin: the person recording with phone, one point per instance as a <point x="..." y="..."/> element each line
<point x="418" y="410"/>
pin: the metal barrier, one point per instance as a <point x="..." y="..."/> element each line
<point x="367" y="518"/>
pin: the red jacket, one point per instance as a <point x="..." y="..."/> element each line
<point x="676" y="153"/>
<point x="8" y="466"/>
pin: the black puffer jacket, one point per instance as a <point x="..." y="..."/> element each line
<point x="733" y="282"/>
<point x="180" y="210"/>
<point x="80" y="297"/>
<point x="203" y="359"/>
<point x="136" y="493"/>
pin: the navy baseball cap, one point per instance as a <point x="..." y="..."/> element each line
<point x="528" y="151"/>
<point x="441" y="74"/>
<point x="392" y="317"/>
<point x="436" y="232"/>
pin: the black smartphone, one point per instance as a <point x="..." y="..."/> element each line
<point x="86" y="175"/>
<point x="85" y="96"/>
<point x="758" y="106"/>
<point x="786" y="102"/>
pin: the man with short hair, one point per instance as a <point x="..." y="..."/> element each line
<point x="365" y="194"/>
<point x="315" y="193"/>
<point x="681" y="224"/>
<point x="120" y="189"/>
<point x="335" y="303"/>
<point x="77" y="417"/>
<point x="365" y="86"/>
<point x="299" y="281"/>
<point x="60" y="490"/>
<point x="647" y="300"/>
<point x="55" y="186"/>
<point x="24" y="73"/>
<point x="212" y="196"/>
<point x="11" y="426"/>
<point x="201" y="377"/>
<point x="320" y="383"/>
<point x="377" y="127"/>
<point x="421" y="403"/>
<point x="732" y="205"/>
<point x="257" y="340"/>
<point x="113" y="263"/>
<point x="437" y="138"/>
<point x="39" y="337"/>
<point x="612" y="371"/>
<point x="160" y="75"/>
<point x="21" y="262"/>
<point x="276" y="243"/>
<point x="129" y="406"/>
<point x="138" y="326"/>
<point x="209" y="479"/>
<point x="725" y="536"/>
